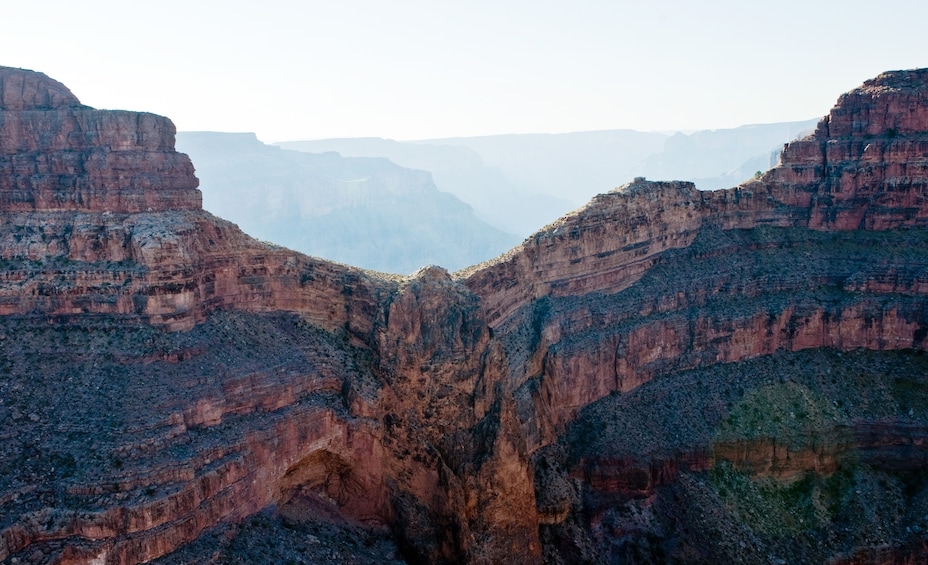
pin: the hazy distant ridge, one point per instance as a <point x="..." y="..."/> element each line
<point x="396" y="206"/>
<point x="367" y="212"/>
<point x="520" y="182"/>
<point x="462" y="171"/>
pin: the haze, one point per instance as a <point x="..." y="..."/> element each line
<point x="415" y="70"/>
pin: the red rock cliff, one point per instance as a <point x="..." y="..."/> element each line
<point x="100" y="202"/>
<point x="431" y="404"/>
<point x="56" y="154"/>
<point x="102" y="221"/>
<point x="865" y="168"/>
<point x="827" y="250"/>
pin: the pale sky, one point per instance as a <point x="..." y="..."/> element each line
<point x="425" y="69"/>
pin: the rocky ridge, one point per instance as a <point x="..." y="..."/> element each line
<point x="476" y="416"/>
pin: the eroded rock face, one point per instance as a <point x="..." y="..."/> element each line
<point x="451" y="432"/>
<point x="866" y="165"/>
<point x="58" y="155"/>
<point x="824" y="251"/>
<point x="102" y="216"/>
<point x="612" y="252"/>
<point x="594" y="395"/>
<point x="27" y="90"/>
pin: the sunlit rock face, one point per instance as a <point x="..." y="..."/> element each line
<point x="223" y="376"/>
<point x="102" y="216"/>
<point x="866" y="165"/>
<point x="601" y="311"/>
<point x="56" y="154"/>
<point x="665" y="375"/>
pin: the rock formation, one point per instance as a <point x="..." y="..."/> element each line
<point x="665" y="375"/>
<point x="56" y="154"/>
<point x="109" y="253"/>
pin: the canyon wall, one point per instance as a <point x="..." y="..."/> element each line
<point x="870" y="175"/>
<point x="102" y="216"/>
<point x="166" y="376"/>
<point x="56" y="154"/>
<point x="102" y="234"/>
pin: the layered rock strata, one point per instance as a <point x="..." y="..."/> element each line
<point x="102" y="216"/>
<point x="592" y="395"/>
<point x="56" y="154"/>
<point x="827" y="250"/>
<point x="97" y="251"/>
<point x="630" y="235"/>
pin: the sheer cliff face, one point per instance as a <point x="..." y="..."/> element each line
<point x="663" y="375"/>
<point x="317" y="377"/>
<point x="633" y="326"/>
<point x="629" y="271"/>
<point x="865" y="166"/>
<point x="56" y="154"/>
<point x="102" y="216"/>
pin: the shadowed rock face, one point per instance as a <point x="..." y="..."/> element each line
<point x="313" y="372"/>
<point x="664" y="375"/>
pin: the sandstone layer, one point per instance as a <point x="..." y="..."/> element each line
<point x="56" y="154"/>
<point x="351" y="433"/>
<point x="665" y="375"/>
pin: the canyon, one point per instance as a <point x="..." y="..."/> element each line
<point x="364" y="212"/>
<point x="664" y="375"/>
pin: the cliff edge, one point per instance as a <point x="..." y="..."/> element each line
<point x="665" y="375"/>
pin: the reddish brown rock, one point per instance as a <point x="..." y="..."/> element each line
<point x="426" y="404"/>
<point x="605" y="246"/>
<point x="454" y="442"/>
<point x="28" y="90"/>
<point x="56" y="154"/>
<point x="866" y="164"/>
<point x="871" y="173"/>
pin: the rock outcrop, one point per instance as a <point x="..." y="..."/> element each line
<point x="102" y="216"/>
<point x="56" y="154"/>
<point x="663" y="375"/>
<point x="624" y="238"/>
<point x="825" y="251"/>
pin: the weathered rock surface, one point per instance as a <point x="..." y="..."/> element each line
<point x="27" y="90"/>
<point x="827" y="250"/>
<point x="58" y="155"/>
<point x="666" y="375"/>
<point x="340" y="426"/>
